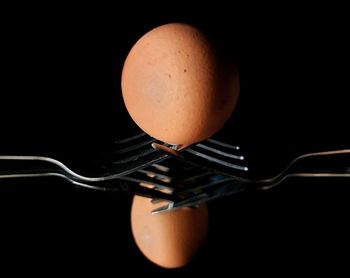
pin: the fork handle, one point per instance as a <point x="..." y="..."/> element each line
<point x="337" y="161"/>
<point x="328" y="164"/>
<point x="20" y="166"/>
<point x="13" y="166"/>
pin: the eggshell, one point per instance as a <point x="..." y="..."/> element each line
<point x="175" y="87"/>
<point x="168" y="239"/>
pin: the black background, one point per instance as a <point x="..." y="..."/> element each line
<point x="60" y="96"/>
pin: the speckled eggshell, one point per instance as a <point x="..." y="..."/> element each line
<point x="175" y="87"/>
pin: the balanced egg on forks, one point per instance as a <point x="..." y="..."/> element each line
<point x="176" y="89"/>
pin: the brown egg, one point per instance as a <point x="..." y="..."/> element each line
<point x="175" y="87"/>
<point x="168" y="239"/>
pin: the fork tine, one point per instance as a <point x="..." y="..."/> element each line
<point x="144" y="179"/>
<point x="220" y="148"/>
<point x="195" y="174"/>
<point x="208" y="148"/>
<point x="135" y="146"/>
<point x="216" y="142"/>
<point x="214" y="159"/>
<point x="131" y="138"/>
<point x="136" y="162"/>
<point x="153" y="173"/>
<point x="151" y="193"/>
<point x="220" y="153"/>
<point x="216" y="180"/>
<point x="222" y="187"/>
<point x="161" y="167"/>
<point x="136" y="155"/>
<point x="131" y="149"/>
<point x="193" y="156"/>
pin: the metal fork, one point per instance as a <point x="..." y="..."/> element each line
<point x="122" y="167"/>
<point x="225" y="171"/>
<point x="136" y="164"/>
<point x="122" y="158"/>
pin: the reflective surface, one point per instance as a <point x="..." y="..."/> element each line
<point x="61" y="97"/>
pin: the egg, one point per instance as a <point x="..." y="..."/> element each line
<point x="175" y="86"/>
<point x="168" y="239"/>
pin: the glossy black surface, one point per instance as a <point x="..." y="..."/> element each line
<point x="60" y="96"/>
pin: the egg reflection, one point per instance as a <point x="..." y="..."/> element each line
<point x="168" y="239"/>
